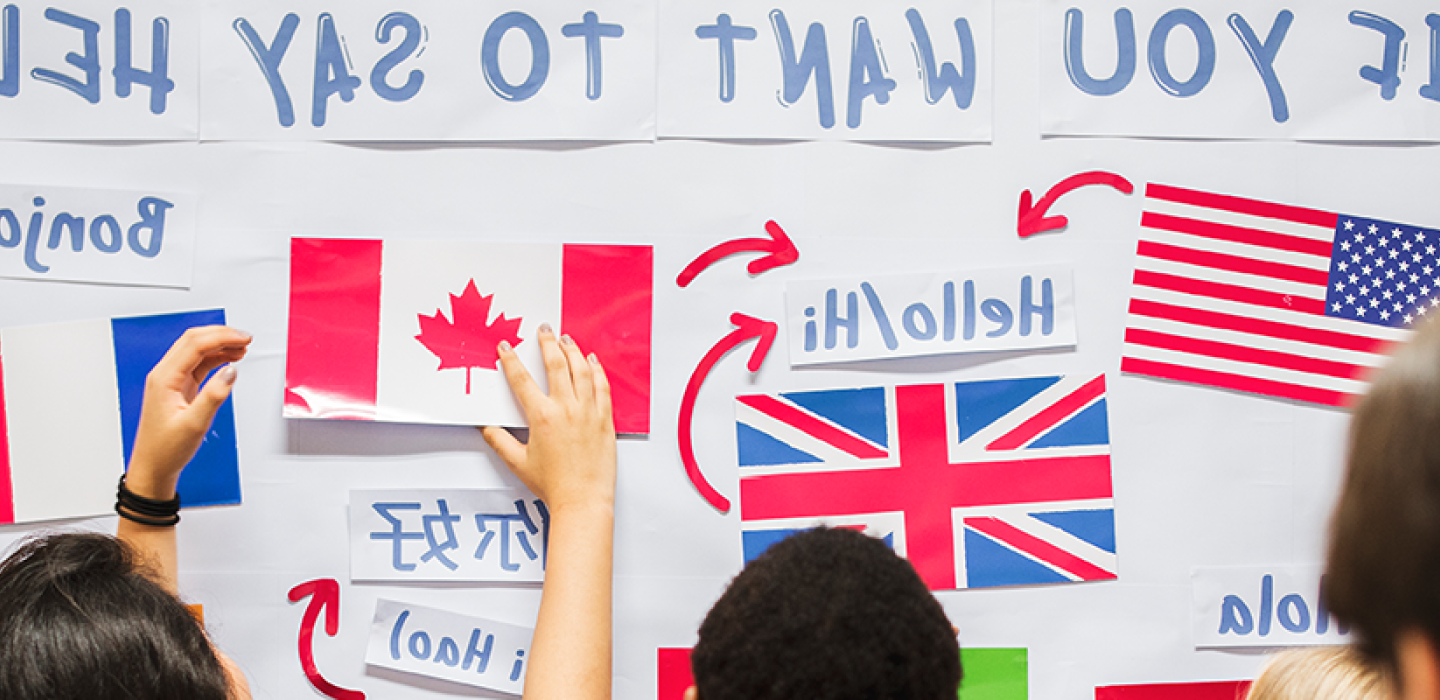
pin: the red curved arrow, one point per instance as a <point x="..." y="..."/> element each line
<point x="1033" y="219"/>
<point x="781" y="252"/>
<point x="326" y="592"/>
<point x="748" y="327"/>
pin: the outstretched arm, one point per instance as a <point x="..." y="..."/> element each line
<point x="174" y="418"/>
<point x="569" y="462"/>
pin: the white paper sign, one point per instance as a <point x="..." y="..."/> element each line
<point x="884" y="316"/>
<point x="448" y="535"/>
<point x="367" y="71"/>
<point x="105" y="236"/>
<point x="843" y="70"/>
<point x="441" y="644"/>
<point x="100" y="70"/>
<point x="1262" y="606"/>
<point x="1318" y="70"/>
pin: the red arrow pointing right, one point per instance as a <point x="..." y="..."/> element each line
<point x="781" y="249"/>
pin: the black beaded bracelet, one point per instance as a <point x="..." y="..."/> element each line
<point x="146" y="511"/>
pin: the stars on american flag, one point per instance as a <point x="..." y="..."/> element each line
<point x="1383" y="273"/>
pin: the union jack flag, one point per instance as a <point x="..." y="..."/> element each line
<point x="978" y="484"/>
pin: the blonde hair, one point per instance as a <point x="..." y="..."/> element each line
<point x="1321" y="673"/>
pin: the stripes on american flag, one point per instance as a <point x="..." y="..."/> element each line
<point x="1230" y="292"/>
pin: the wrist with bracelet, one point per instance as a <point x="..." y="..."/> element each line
<point x="146" y="511"/>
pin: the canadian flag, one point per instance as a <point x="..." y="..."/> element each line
<point x="405" y="330"/>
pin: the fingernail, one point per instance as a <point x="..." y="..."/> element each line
<point x="504" y="346"/>
<point x="228" y="374"/>
<point x="247" y="335"/>
<point x="565" y="340"/>
<point x="545" y="328"/>
<point x="593" y="359"/>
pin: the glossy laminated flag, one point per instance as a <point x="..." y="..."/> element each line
<point x="1209" y="690"/>
<point x="989" y="673"/>
<point x="1273" y="299"/>
<point x="405" y="330"/>
<point x="70" y="398"/>
<point x="979" y="484"/>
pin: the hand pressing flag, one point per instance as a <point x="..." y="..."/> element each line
<point x="406" y="330"/>
<point x="990" y="483"/>
<point x="70" y="398"/>
<point x="1273" y="299"/>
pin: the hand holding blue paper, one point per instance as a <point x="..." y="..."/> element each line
<point x="180" y="405"/>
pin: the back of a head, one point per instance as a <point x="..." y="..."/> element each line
<point x="1321" y="673"/>
<point x="827" y="614"/>
<point x="79" y="619"/>
<point x="1384" y="555"/>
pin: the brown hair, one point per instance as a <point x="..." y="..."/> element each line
<point x="1384" y="561"/>
<point x="1321" y="673"/>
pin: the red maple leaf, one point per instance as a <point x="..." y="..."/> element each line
<point x="469" y="342"/>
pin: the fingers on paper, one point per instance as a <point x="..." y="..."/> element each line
<point x="524" y="386"/>
<point x="581" y="378"/>
<point x="602" y="388"/>
<point x="557" y="368"/>
<point x="512" y="451"/>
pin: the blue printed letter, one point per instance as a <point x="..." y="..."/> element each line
<point x="88" y="62"/>
<point x="814" y="58"/>
<point x="126" y="74"/>
<point x="539" y="57"/>
<point x="330" y="59"/>
<point x="152" y="216"/>
<point x="1429" y="91"/>
<point x="269" y="59"/>
<point x="399" y="53"/>
<point x="947" y="78"/>
<point x="1263" y="56"/>
<point x="1388" y="75"/>
<point x="10" y="26"/>
<point x="725" y="35"/>
<point x="592" y="29"/>
<point x="1124" y="50"/>
<point x="865" y="61"/>
<point x="1205" y="49"/>
<point x="1235" y="616"/>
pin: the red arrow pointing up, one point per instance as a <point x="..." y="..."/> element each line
<point x="326" y="595"/>
<point x="747" y="327"/>
<point x="1033" y="219"/>
<point x="781" y="252"/>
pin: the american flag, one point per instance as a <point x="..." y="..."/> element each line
<point x="1272" y="299"/>
<point x="988" y="483"/>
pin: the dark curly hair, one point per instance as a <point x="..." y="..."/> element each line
<point x="827" y="614"/>
<point x="79" y="619"/>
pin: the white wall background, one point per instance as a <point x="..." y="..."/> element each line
<point x="1202" y="477"/>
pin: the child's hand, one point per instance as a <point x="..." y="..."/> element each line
<point x="570" y="457"/>
<point x="177" y="411"/>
